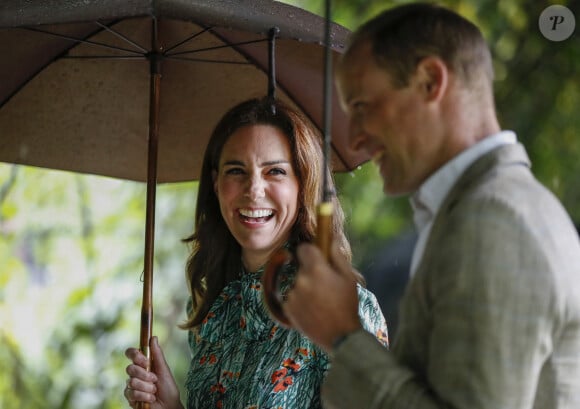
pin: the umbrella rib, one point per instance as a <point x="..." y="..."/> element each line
<point x="191" y="37"/>
<point x="208" y="60"/>
<point x="79" y="40"/>
<point x="219" y="47"/>
<point x="121" y="36"/>
<point x="104" y="57"/>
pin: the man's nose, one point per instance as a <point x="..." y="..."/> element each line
<point x="255" y="187"/>
<point x="356" y="134"/>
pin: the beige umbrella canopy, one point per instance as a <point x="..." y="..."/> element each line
<point x="75" y="91"/>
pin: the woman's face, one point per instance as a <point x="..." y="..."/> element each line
<point x="257" y="189"/>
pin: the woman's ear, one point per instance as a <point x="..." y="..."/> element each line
<point x="433" y="77"/>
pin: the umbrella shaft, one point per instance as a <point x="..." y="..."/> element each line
<point x="154" y="100"/>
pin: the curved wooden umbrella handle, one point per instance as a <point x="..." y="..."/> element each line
<point x="273" y="297"/>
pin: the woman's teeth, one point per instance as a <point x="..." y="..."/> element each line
<point x="256" y="213"/>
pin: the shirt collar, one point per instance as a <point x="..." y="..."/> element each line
<point x="430" y="195"/>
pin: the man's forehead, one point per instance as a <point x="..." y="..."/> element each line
<point x="351" y="71"/>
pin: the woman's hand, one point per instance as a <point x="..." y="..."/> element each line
<point x="157" y="386"/>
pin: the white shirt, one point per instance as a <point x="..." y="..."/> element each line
<point x="427" y="200"/>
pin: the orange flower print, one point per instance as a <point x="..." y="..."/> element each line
<point x="209" y="316"/>
<point x="302" y="351"/>
<point x="383" y="337"/>
<point x="219" y="388"/>
<point x="243" y="322"/>
<point x="279" y="374"/>
<point x="280" y="380"/>
<point x="230" y="374"/>
<point x="273" y="331"/>
<point x="283" y="384"/>
<point x="290" y="363"/>
<point x="211" y="360"/>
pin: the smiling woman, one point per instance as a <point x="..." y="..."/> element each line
<point x="260" y="185"/>
<point x="258" y="191"/>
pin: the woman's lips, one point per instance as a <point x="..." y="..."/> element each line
<point x="255" y="216"/>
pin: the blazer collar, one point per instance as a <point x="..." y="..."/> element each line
<point x="506" y="155"/>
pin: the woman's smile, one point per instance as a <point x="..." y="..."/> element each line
<point x="255" y="216"/>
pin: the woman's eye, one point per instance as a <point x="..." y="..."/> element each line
<point x="234" y="171"/>
<point x="277" y="171"/>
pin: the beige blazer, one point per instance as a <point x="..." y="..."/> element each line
<point x="491" y="318"/>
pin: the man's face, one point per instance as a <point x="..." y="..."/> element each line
<point x="392" y="124"/>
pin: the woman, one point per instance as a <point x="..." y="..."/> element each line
<point x="259" y="187"/>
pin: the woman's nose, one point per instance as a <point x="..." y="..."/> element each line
<point x="255" y="187"/>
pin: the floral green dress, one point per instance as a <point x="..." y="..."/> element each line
<point x="242" y="359"/>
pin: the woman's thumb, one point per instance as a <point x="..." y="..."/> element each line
<point x="160" y="366"/>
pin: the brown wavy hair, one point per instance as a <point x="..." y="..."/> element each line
<point x="215" y="258"/>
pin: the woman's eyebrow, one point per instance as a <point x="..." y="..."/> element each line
<point x="275" y="162"/>
<point x="235" y="162"/>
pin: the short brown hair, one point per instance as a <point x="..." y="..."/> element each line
<point x="401" y="37"/>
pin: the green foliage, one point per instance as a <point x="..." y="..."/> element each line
<point x="371" y="217"/>
<point x="72" y="256"/>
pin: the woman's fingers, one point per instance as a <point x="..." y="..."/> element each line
<point x="136" y="356"/>
<point x="140" y="386"/>
<point x="139" y="394"/>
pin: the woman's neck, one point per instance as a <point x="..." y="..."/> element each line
<point x="253" y="262"/>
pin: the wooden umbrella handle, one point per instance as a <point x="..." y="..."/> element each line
<point x="324" y="228"/>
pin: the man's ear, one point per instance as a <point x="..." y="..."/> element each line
<point x="433" y="77"/>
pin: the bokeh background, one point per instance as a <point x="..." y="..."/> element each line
<point x="71" y="246"/>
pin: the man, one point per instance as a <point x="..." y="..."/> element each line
<point x="491" y="315"/>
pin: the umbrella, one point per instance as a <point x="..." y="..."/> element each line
<point x="60" y="109"/>
<point x="132" y="89"/>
